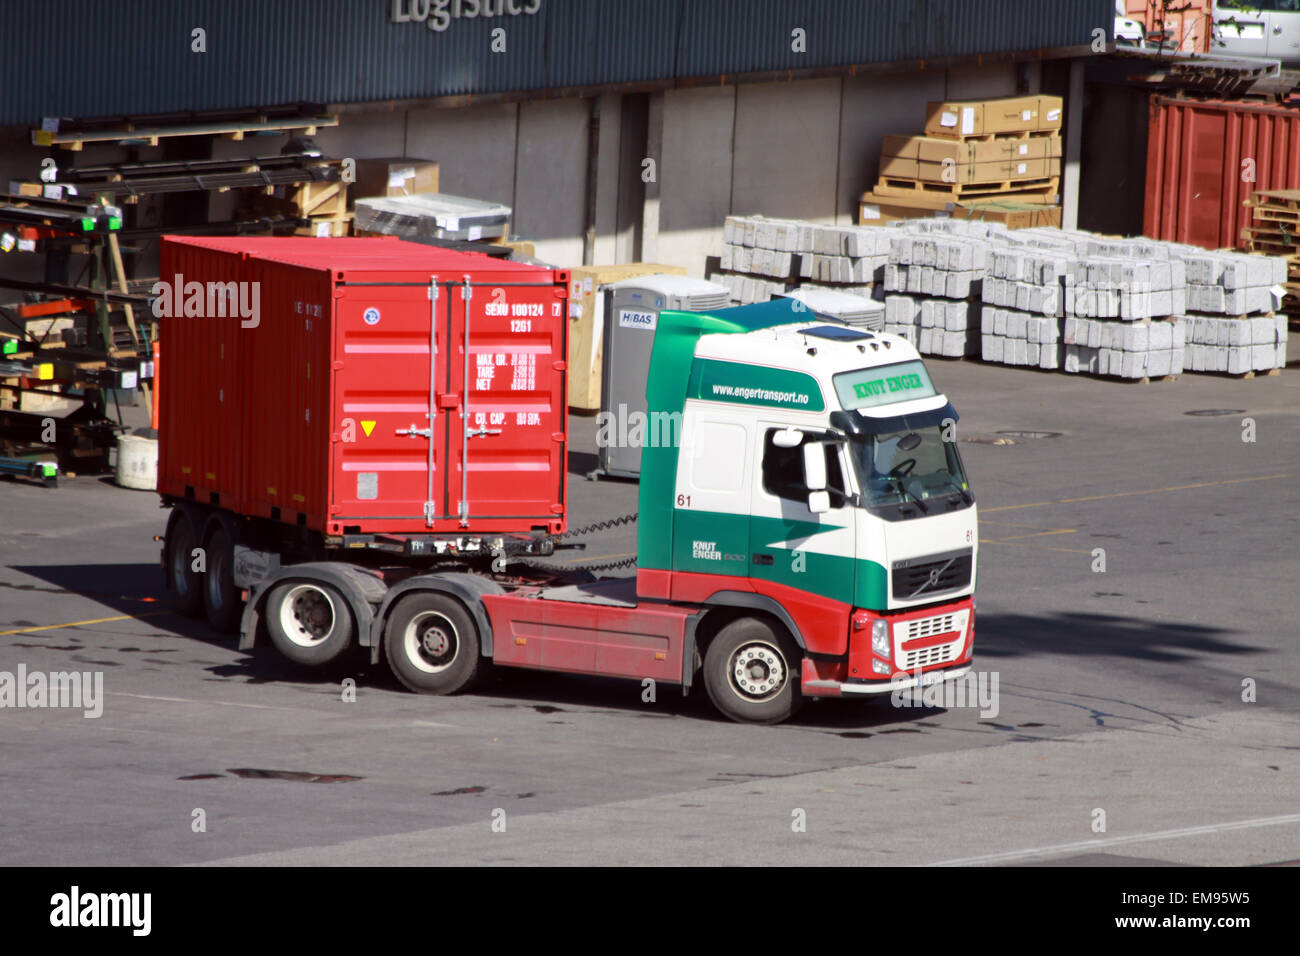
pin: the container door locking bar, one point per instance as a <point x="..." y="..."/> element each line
<point x="464" y="419"/>
<point x="427" y="433"/>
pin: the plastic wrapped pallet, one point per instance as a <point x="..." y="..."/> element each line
<point x="1133" y="350"/>
<point x="433" y="215"/>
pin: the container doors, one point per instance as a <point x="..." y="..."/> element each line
<point x="505" y="442"/>
<point x="389" y="378"/>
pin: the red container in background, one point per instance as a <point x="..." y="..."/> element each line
<point x="1205" y="158"/>
<point x="1186" y="25"/>
<point x="337" y="405"/>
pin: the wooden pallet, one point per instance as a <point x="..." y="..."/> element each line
<point x="1046" y="189"/>
<point x="1018" y="136"/>
<point x="1264" y="215"/>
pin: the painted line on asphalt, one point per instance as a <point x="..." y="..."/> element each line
<point x="97" y="620"/>
<point x="1290" y="819"/>
<point x="1145" y="491"/>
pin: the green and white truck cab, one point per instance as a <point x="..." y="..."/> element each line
<point x="817" y="482"/>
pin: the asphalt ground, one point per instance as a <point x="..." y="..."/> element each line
<point x="1121" y="734"/>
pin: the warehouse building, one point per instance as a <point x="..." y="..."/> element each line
<point x="615" y="131"/>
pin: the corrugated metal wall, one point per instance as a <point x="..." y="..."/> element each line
<point x="93" y="58"/>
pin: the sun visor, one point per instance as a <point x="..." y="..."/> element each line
<point x="929" y="412"/>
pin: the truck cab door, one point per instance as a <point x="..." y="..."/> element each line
<point x="790" y="546"/>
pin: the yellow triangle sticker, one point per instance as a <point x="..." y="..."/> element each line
<point x="367" y="427"/>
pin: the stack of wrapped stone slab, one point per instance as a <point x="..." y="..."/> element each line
<point x="1234" y="283"/>
<point x="1026" y="285"/>
<point x="1143" y="349"/>
<point x="932" y="285"/>
<point x="1237" y="346"/>
<point x="763" y="257"/>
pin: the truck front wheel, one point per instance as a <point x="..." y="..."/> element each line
<point x="432" y="644"/>
<point x="309" y="622"/>
<point x="752" y="672"/>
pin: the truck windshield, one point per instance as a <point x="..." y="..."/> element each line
<point x="909" y="471"/>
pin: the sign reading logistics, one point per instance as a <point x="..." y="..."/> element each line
<point x="438" y="14"/>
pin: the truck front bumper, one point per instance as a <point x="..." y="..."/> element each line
<point x="866" y="688"/>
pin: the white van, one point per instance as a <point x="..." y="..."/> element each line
<point x="1269" y="28"/>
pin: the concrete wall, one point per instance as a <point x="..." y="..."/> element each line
<point x="806" y="149"/>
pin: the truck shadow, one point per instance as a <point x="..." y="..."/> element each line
<point x="137" y="591"/>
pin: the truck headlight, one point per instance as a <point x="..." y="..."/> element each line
<point x="880" y="667"/>
<point x="880" y="639"/>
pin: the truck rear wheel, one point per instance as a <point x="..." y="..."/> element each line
<point x="183" y="581"/>
<point x="220" y="597"/>
<point x="752" y="672"/>
<point x="432" y="644"/>
<point x="309" y="621"/>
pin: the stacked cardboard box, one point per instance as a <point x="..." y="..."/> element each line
<point x="1001" y="148"/>
<point x="880" y="210"/>
<point x="393" y="176"/>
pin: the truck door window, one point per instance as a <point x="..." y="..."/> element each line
<point x="783" y="472"/>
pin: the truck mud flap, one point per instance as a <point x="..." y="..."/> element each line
<point x="467" y="588"/>
<point x="362" y="590"/>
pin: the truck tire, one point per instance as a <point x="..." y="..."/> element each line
<point x="220" y="596"/>
<point x="309" y="622"/>
<point x="752" y="672"/>
<point x="185" y="583"/>
<point x="432" y="644"/>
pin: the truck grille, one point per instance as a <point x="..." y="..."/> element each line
<point x="953" y="624"/>
<point x="912" y="578"/>
<point x="928" y="656"/>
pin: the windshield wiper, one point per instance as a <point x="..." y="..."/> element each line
<point x="965" y="495"/>
<point x="898" y="483"/>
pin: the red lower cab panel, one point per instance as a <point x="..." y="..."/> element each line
<point x="581" y="638"/>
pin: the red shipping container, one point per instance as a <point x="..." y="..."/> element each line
<point x="325" y="387"/>
<point x="1205" y="159"/>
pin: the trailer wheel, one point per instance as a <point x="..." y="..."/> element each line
<point x="309" y="622"/>
<point x="185" y="583"/>
<point x="752" y="672"/>
<point x="220" y="597"/>
<point x="432" y="644"/>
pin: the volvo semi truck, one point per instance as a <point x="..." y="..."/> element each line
<point x="807" y="530"/>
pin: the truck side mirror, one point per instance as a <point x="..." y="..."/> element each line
<point x="819" y="502"/>
<point x="814" y="466"/>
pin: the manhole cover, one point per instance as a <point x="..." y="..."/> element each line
<point x="1020" y="434"/>
<point x="1212" y="412"/>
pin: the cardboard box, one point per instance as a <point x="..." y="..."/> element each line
<point x="999" y="172"/>
<point x="1017" y="212"/>
<point x="896" y="167"/>
<point x="586" y="324"/>
<point x="901" y="145"/>
<point x="393" y="176"/>
<point x="1013" y="114"/>
<point x="934" y="150"/>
